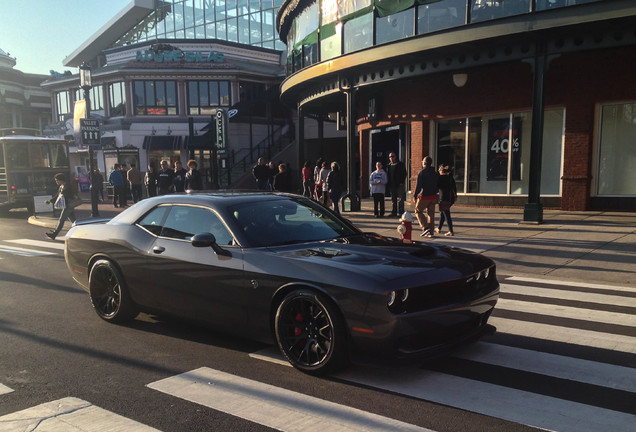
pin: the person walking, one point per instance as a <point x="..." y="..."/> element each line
<point x="193" y="180"/>
<point x="261" y="174"/>
<point x="447" y="197"/>
<point x="324" y="172"/>
<point x="97" y="185"/>
<point x="396" y="174"/>
<point x="68" y="212"/>
<point x="135" y="179"/>
<point x="150" y="180"/>
<point x="164" y="178"/>
<point x="334" y="186"/>
<point x="116" y="179"/>
<point x="426" y="190"/>
<point x="317" y="180"/>
<point x="378" y="181"/>
<point x="307" y="179"/>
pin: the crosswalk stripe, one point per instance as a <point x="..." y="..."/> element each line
<point x="24" y="252"/>
<point x="554" y="333"/>
<point x="39" y="243"/>
<point x="567" y="312"/>
<point x="583" y="371"/>
<point x="69" y="414"/>
<point x="568" y="295"/>
<point x="271" y="406"/>
<point x="493" y="400"/>
<point x="4" y="389"/>
<point x="570" y="284"/>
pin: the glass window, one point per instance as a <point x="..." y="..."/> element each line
<point x="39" y="155"/>
<point x="117" y="99"/>
<point x="17" y="155"/>
<point x="269" y="29"/>
<point x="617" y="153"/>
<point x="328" y="11"/>
<point x="155" y="98"/>
<point x="331" y="46"/>
<point x="184" y="222"/>
<point x="63" y="105"/>
<point x="441" y="15"/>
<point x="483" y="10"/>
<point x="552" y="151"/>
<point x="451" y="148"/>
<point x="153" y="221"/>
<point x="205" y="96"/>
<point x="232" y="30"/>
<point x="358" y="33"/>
<point x="551" y="4"/>
<point x="255" y="28"/>
<point x="244" y="29"/>
<point x="395" y="27"/>
<point x="60" y="156"/>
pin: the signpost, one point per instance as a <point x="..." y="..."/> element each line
<point x="89" y="129"/>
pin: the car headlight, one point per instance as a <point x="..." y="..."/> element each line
<point x="391" y="301"/>
<point x="396" y="300"/>
<point x="487" y="273"/>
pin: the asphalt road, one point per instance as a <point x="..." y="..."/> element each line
<point x="551" y="364"/>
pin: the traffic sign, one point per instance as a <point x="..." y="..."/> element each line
<point x="89" y="128"/>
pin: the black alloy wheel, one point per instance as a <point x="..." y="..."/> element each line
<point x="108" y="293"/>
<point x="310" y="333"/>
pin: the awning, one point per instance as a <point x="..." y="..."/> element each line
<point x="205" y="141"/>
<point x="164" y="142"/>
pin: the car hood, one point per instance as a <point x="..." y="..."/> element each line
<point x="387" y="259"/>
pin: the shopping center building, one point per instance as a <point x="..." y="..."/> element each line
<point x="161" y="70"/>
<point x="532" y="102"/>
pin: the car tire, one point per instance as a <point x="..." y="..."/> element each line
<point x="311" y="333"/>
<point x="109" y="294"/>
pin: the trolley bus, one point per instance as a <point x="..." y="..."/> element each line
<point x="28" y="163"/>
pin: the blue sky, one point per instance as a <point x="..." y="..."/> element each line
<point x="40" y="34"/>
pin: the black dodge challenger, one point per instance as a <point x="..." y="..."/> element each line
<point x="281" y="267"/>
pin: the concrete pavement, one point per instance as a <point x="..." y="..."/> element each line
<point x="591" y="247"/>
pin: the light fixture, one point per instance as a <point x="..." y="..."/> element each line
<point x="85" y="76"/>
<point x="169" y="131"/>
<point x="460" y="79"/>
<point x="153" y="131"/>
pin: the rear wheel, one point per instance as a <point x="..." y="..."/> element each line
<point x="311" y="333"/>
<point x="108" y="293"/>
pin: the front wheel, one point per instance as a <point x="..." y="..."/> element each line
<point x="108" y="293"/>
<point x="311" y="333"/>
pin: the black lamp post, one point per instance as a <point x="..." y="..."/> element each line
<point x="86" y="84"/>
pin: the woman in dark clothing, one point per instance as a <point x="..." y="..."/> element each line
<point x="282" y="180"/>
<point x="151" y="180"/>
<point x="334" y="185"/>
<point x="447" y="197"/>
<point x="68" y="212"/>
<point x="193" y="179"/>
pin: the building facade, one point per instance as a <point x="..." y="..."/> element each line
<point x="530" y="101"/>
<point x="23" y="104"/>
<point x="160" y="73"/>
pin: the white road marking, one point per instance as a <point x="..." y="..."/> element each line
<point x="69" y="415"/>
<point x="272" y="406"/>
<point x="571" y="284"/>
<point x="39" y="243"/>
<point x="4" y="389"/>
<point x="586" y="338"/>
<point x="567" y="312"/>
<point x="493" y="400"/>
<point x="573" y="369"/>
<point x="24" y="252"/>
<point x="568" y="295"/>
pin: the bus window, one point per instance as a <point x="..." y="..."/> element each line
<point x="60" y="157"/>
<point x="17" y="155"/>
<point x="40" y="155"/>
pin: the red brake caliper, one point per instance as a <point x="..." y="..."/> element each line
<point x="298" y="330"/>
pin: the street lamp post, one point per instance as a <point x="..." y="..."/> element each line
<point x="86" y="84"/>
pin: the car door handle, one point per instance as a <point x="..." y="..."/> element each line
<point x="158" y="249"/>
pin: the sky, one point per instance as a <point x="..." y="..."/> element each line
<point x="40" y="34"/>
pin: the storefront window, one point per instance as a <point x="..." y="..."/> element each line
<point x="205" y="96"/>
<point x="496" y="159"/>
<point x="441" y="15"/>
<point x="97" y="99"/>
<point x="331" y="46"/>
<point x="117" y="99"/>
<point x="358" y="33"/>
<point x="155" y="98"/>
<point x="395" y="27"/>
<point x="617" y="153"/>
<point x="63" y="105"/>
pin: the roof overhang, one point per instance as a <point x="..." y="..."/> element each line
<point x="125" y="20"/>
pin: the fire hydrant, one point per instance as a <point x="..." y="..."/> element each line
<point x="405" y="229"/>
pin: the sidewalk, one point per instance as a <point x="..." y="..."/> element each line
<point x="591" y="247"/>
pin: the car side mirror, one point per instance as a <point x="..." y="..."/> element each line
<point x="207" y="239"/>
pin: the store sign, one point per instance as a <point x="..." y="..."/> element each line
<point x="179" y="56"/>
<point x="221" y="122"/>
<point x="499" y="148"/>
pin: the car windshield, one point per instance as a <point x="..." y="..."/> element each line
<point x="286" y="221"/>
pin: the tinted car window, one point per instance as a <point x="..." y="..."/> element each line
<point x="153" y="220"/>
<point x="184" y="221"/>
